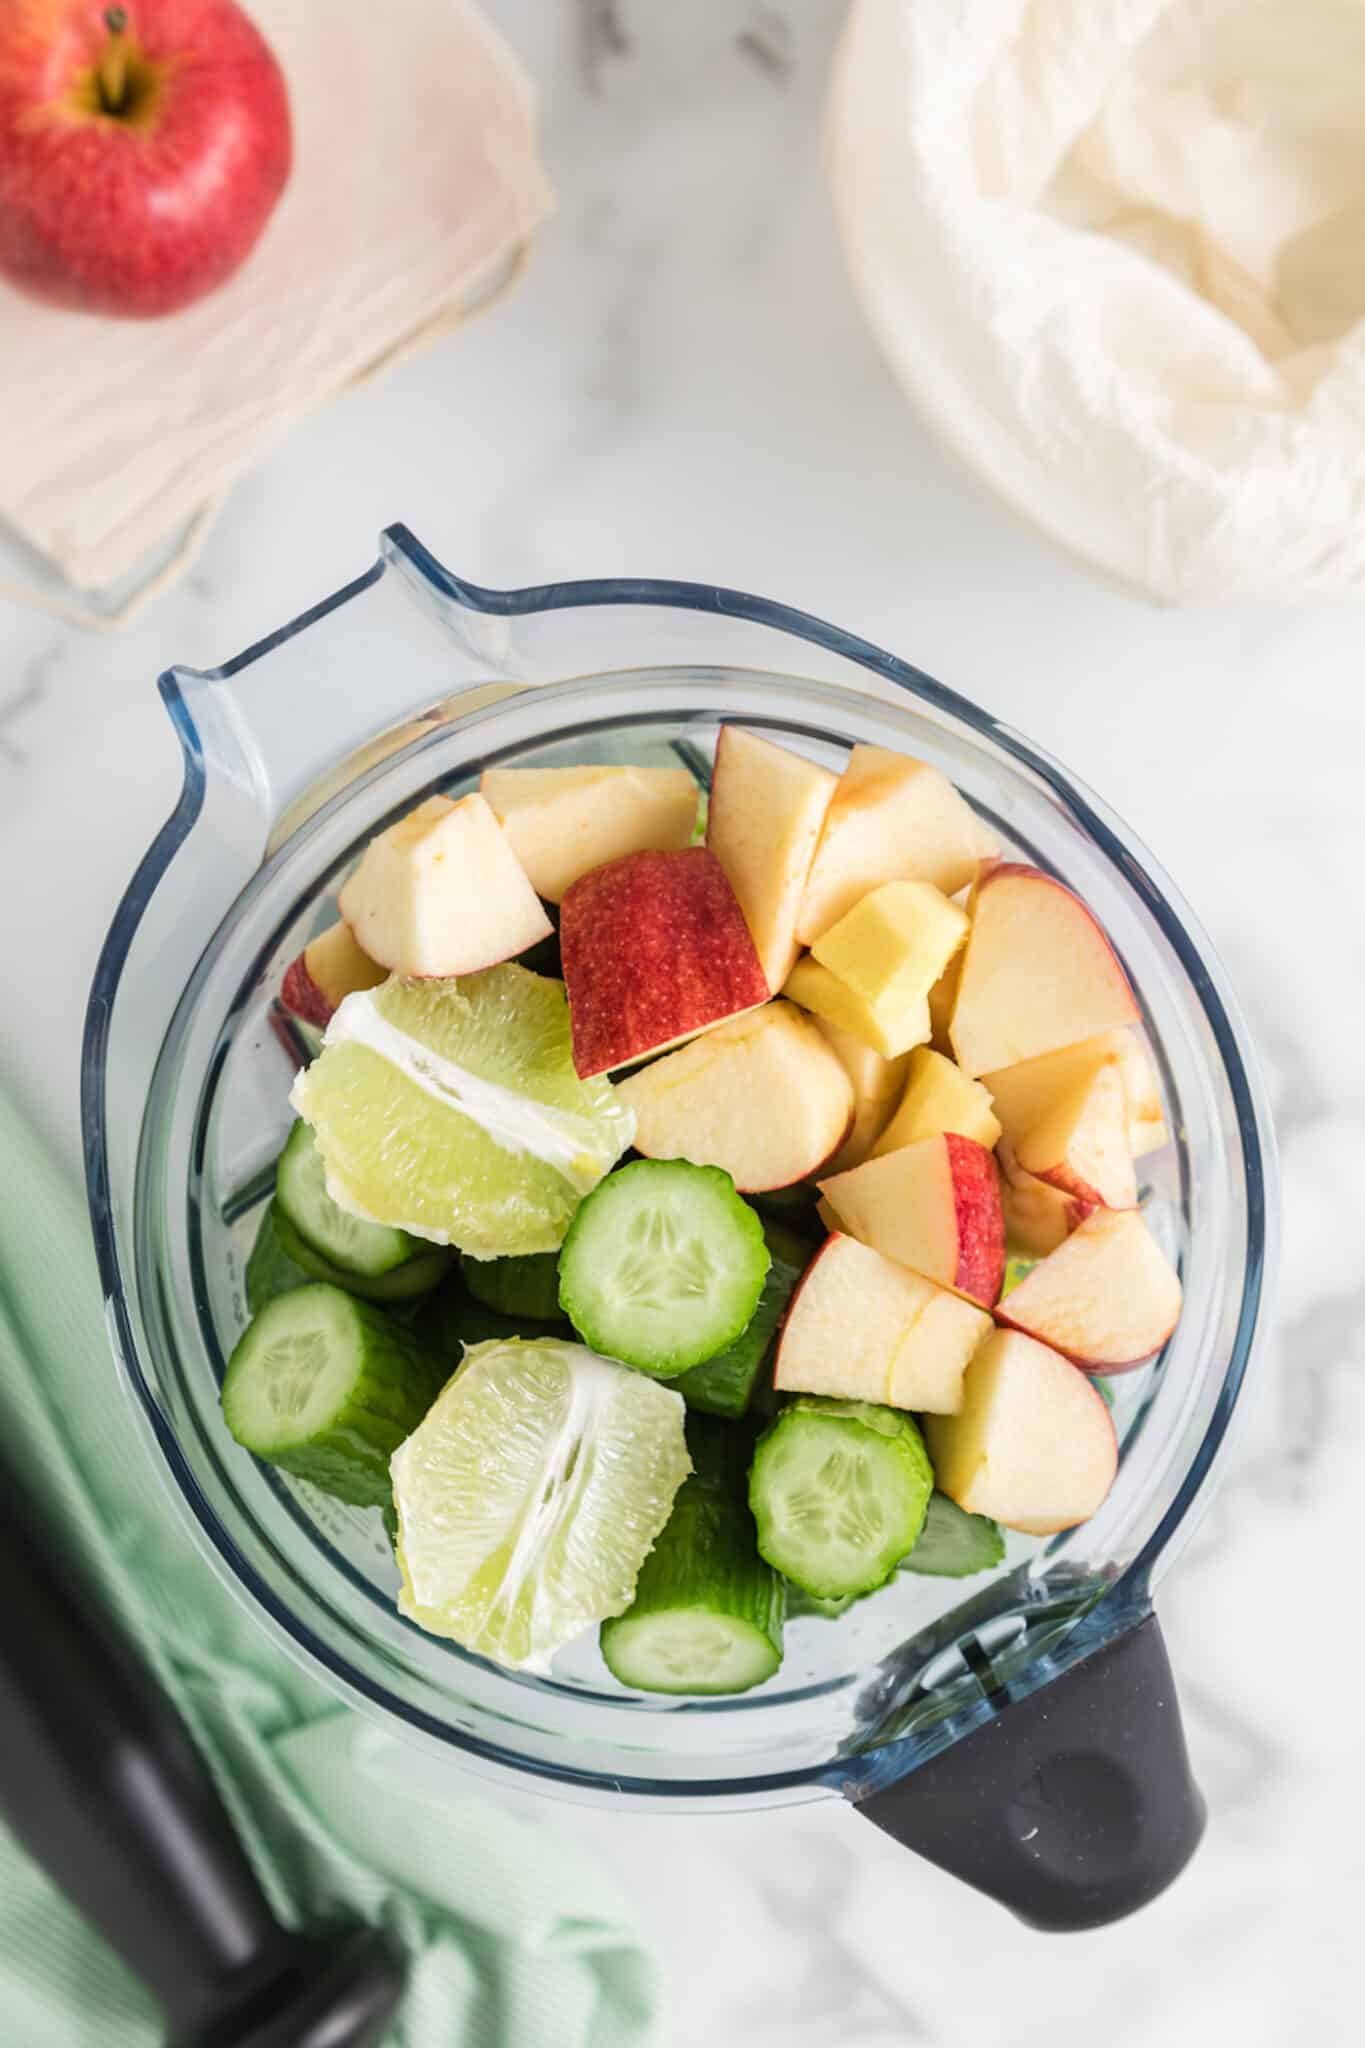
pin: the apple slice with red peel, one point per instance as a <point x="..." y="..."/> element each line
<point x="933" y="1206"/>
<point x="442" y="893"/>
<point x="862" y="1328"/>
<point x="655" y="950"/>
<point x="891" y="819"/>
<point x="1038" y="973"/>
<point x="938" y="1097"/>
<point x="1037" y="1217"/>
<point x="1031" y="1445"/>
<point x="1108" y="1298"/>
<point x="877" y="1086"/>
<point x="767" y="808"/>
<point x="1081" y="1144"/>
<point x="762" y="1095"/>
<point x="330" y="968"/>
<point x="562" y="822"/>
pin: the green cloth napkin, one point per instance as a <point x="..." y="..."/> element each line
<point x="514" y="1940"/>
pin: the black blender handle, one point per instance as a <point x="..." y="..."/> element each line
<point x="1075" y="1805"/>
<point x="101" y="1783"/>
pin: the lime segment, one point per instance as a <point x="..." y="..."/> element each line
<point x="530" y="1496"/>
<point x="451" y="1109"/>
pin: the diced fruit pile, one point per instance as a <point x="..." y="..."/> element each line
<point x="843" y="1312"/>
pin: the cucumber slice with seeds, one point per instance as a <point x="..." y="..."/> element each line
<point x="663" y="1265"/>
<point x="327" y="1387"/>
<point x="345" y="1241"/>
<point x="520" y="1286"/>
<point x="707" y="1613"/>
<point x="724" y="1385"/>
<point x="839" y="1491"/>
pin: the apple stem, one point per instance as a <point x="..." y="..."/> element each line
<point x="112" y="70"/>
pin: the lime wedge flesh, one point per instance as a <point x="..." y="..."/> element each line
<point x="530" y="1496"/>
<point x="452" y="1110"/>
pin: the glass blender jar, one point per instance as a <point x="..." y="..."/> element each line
<point x="1021" y="1730"/>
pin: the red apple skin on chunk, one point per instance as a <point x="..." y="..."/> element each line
<point x="1108" y="1298"/>
<point x="762" y="1095"/>
<point x="331" y="967"/>
<point x="1038" y="973"/>
<point x="655" y="949"/>
<point x="1081" y="1145"/>
<point x="860" y="1327"/>
<point x="1037" y="1217"/>
<point x="933" y="1206"/>
<point x="137" y="167"/>
<point x="1032" y="1445"/>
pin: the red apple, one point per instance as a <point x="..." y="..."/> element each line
<point x="655" y="949"/>
<point x="1038" y="973"/>
<point x="933" y="1206"/>
<point x="862" y="1328"/>
<point x="142" y="150"/>
<point x="1037" y="1217"/>
<point x="442" y="893"/>
<point x="1108" y="1298"/>
<point x="767" y="808"/>
<point x="330" y="968"/>
<point x="762" y="1095"/>
<point x="1031" y="1444"/>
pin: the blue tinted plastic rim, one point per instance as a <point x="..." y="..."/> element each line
<point x="1129" y="1597"/>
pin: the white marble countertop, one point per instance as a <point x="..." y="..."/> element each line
<point x="683" y="387"/>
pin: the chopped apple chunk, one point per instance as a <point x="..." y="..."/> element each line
<point x="1038" y="973"/>
<point x="767" y="808"/>
<point x="562" y="822"/>
<point x="442" y="893"/>
<point x="763" y="1096"/>
<point x="1031" y="1444"/>
<point x="890" y="819"/>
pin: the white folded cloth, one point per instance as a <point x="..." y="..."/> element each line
<point x="1115" y="249"/>
<point x="416" y="184"/>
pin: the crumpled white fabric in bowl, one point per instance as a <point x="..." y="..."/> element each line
<point x="1115" y="250"/>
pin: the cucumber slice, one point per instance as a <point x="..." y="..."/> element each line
<point x="663" y="1265"/>
<point x="839" y="1491"/>
<point x="269" y="1269"/>
<point x="521" y="1286"/>
<point x="328" y="1387"/>
<point x="953" y="1544"/>
<point x="414" y="1278"/>
<point x="345" y="1241"/>
<point x="707" y="1612"/>
<point x="724" y="1385"/>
